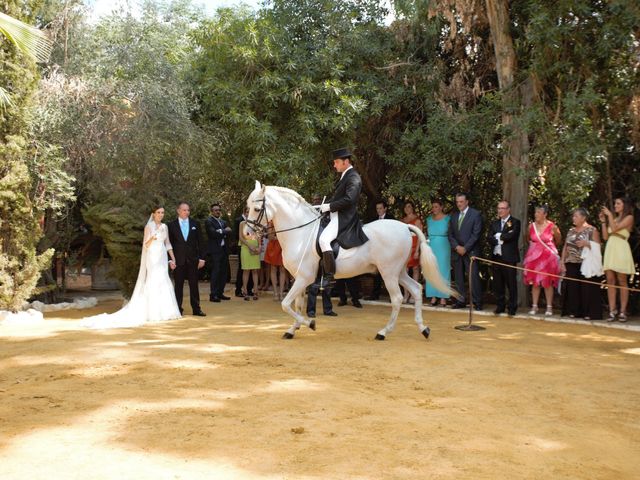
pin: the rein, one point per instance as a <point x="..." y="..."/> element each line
<point x="259" y="227"/>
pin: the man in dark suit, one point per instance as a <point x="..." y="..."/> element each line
<point x="218" y="234"/>
<point x="345" y="225"/>
<point x="184" y="235"/>
<point x="382" y="211"/>
<point x="353" y="285"/>
<point x="503" y="237"/>
<point x="236" y="231"/>
<point x="465" y="228"/>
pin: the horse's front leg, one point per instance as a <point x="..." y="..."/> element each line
<point x="296" y="290"/>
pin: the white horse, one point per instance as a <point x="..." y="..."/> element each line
<point x="296" y="225"/>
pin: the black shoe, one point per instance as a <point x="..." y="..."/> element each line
<point x="214" y="299"/>
<point x="331" y="314"/>
<point x="342" y="303"/>
<point x="311" y="315"/>
<point x="372" y="298"/>
<point x="199" y="313"/>
<point x="511" y="313"/>
<point x="357" y="304"/>
<point x="239" y="294"/>
<point x="181" y="311"/>
<point x="498" y="311"/>
<point x="458" y="305"/>
<point x="478" y="308"/>
<point x="224" y="297"/>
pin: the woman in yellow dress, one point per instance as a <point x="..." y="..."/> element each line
<point x="618" y="261"/>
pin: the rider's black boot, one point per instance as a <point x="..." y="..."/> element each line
<point x="329" y="266"/>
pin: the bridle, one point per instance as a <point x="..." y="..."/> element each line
<point x="263" y="230"/>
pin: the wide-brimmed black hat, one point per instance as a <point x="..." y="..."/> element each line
<point x="342" y="153"/>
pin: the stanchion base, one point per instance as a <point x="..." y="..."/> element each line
<point x="469" y="328"/>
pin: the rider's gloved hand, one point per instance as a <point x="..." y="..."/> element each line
<point x="325" y="207"/>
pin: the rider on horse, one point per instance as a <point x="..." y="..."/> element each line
<point x="345" y="225"/>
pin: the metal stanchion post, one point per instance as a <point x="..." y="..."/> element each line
<point x="469" y="327"/>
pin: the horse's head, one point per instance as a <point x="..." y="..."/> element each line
<point x="256" y="204"/>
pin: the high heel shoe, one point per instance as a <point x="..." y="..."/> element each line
<point x="622" y="317"/>
<point x="612" y="316"/>
<point x="549" y="311"/>
<point x="534" y="310"/>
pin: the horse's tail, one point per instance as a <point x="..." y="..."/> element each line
<point x="429" y="265"/>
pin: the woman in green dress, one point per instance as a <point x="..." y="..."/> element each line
<point x="249" y="258"/>
<point x="437" y="231"/>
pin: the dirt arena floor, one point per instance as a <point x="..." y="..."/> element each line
<point x="224" y="397"/>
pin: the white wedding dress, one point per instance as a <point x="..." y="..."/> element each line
<point x="153" y="299"/>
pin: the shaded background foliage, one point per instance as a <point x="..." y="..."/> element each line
<point x="170" y="104"/>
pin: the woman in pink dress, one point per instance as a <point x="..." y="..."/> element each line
<point x="542" y="256"/>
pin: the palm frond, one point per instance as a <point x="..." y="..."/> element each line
<point x="5" y="99"/>
<point x="28" y="39"/>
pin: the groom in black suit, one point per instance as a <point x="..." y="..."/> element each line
<point x="503" y="237"/>
<point x="184" y="235"/>
<point x="465" y="228"/>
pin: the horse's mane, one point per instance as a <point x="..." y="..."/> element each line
<point x="290" y="193"/>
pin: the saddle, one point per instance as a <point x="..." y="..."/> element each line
<point x="335" y="246"/>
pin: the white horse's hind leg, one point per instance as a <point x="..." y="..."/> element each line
<point x="294" y="294"/>
<point x="391" y="282"/>
<point x="416" y="292"/>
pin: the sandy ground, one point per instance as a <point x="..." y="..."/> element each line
<point x="224" y="397"/>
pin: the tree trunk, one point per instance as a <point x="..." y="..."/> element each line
<point x="515" y="160"/>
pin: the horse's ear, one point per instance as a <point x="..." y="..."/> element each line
<point x="258" y="186"/>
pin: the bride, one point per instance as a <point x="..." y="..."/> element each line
<point x="153" y="299"/>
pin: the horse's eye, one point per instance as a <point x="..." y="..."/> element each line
<point x="256" y="209"/>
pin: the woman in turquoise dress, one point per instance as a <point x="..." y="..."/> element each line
<point x="437" y="231"/>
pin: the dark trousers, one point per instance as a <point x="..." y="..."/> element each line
<point x="581" y="299"/>
<point x="219" y="267"/>
<point x="352" y="284"/>
<point x="327" y="307"/>
<point x="188" y="271"/>
<point x="239" y="279"/>
<point x="461" y="272"/>
<point x="505" y="277"/>
<point x="377" y="286"/>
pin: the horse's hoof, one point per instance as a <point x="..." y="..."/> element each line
<point x="287" y="336"/>
<point x="426" y="332"/>
<point x="312" y="325"/>
<point x="379" y="337"/>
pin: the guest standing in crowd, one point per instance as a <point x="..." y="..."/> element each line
<point x="239" y="275"/>
<point x="464" y="237"/>
<point x="437" y="231"/>
<point x="618" y="260"/>
<point x="351" y="284"/>
<point x="312" y="300"/>
<point x="382" y="213"/>
<point x="273" y="258"/>
<point x="504" y="235"/>
<point x="580" y="299"/>
<point x="263" y="276"/>
<point x="249" y="258"/>
<point x="542" y="256"/>
<point x="411" y="218"/>
<point x="218" y="234"/>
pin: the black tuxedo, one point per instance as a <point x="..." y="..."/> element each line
<point x="218" y="248"/>
<point x="468" y="236"/>
<point x="188" y="253"/>
<point x="510" y="254"/>
<point x="345" y="202"/>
